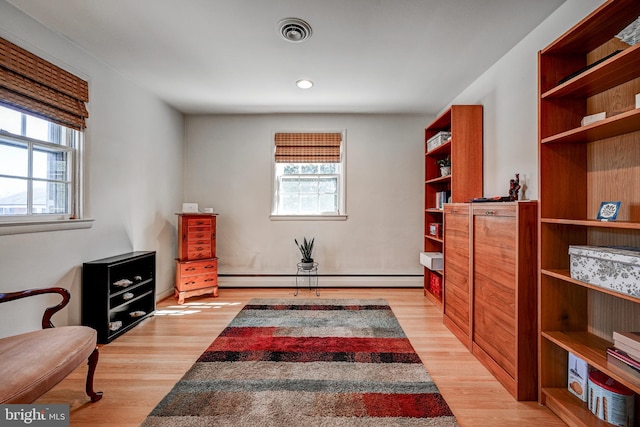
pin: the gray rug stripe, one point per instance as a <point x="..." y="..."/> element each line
<point x="307" y="386"/>
<point x="334" y="371"/>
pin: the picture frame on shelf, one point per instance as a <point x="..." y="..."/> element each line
<point x="608" y="211"/>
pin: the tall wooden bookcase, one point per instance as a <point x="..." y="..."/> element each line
<point x="580" y="167"/>
<point x="462" y="184"/>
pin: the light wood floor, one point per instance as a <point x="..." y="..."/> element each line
<point x="137" y="369"/>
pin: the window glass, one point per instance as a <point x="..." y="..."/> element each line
<point x="302" y="189"/>
<point x="11" y="121"/>
<point x="36" y="166"/>
<point x="13" y="196"/>
<point x="14" y="158"/>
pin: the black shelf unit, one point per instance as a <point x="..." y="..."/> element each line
<point x="106" y="305"/>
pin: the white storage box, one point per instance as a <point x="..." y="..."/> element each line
<point x="613" y="268"/>
<point x="431" y="260"/>
<point x="437" y="140"/>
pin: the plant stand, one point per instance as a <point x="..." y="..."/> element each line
<point x="310" y="274"/>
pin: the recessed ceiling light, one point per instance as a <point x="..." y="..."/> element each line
<point x="304" y="84"/>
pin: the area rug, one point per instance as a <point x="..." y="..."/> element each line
<point x="303" y="362"/>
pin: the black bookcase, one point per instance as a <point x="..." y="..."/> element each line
<point x="118" y="293"/>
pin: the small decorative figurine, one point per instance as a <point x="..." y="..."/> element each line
<point x="514" y="187"/>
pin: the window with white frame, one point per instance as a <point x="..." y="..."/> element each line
<point x="37" y="167"/>
<point x="42" y="117"/>
<point x="309" y="171"/>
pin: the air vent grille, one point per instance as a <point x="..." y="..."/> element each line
<point x="294" y="30"/>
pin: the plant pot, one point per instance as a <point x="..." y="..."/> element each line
<point x="445" y="170"/>
<point x="306" y="265"/>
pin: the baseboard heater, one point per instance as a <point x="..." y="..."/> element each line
<point x="325" y="280"/>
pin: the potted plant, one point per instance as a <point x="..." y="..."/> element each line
<point x="445" y="166"/>
<point x="306" y="249"/>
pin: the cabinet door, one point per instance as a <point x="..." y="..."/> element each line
<point x="457" y="300"/>
<point x="494" y="283"/>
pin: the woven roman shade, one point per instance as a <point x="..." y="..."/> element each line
<point x="32" y="85"/>
<point x="308" y="147"/>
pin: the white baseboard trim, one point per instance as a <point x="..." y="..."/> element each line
<point x="323" y="282"/>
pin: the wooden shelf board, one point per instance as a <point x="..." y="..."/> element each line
<point x="593" y="223"/>
<point x="622" y="123"/>
<point x="601" y="25"/>
<point x="445" y="147"/>
<point x="570" y="409"/>
<point x="439" y="179"/>
<point x="435" y="239"/>
<point x="616" y="70"/>
<point x="566" y="276"/>
<point x="434" y="210"/>
<point x="593" y="350"/>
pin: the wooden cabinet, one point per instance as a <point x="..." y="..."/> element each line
<point x="504" y="331"/>
<point x="580" y="167"/>
<point x="457" y="269"/>
<point x="464" y="182"/>
<point x="196" y="265"/>
<point x="118" y="293"/>
<point x="490" y="293"/>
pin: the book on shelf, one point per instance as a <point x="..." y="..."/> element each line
<point x="629" y="350"/>
<point x="587" y="120"/>
<point x="628" y="338"/>
<point x="622" y="356"/>
<point x="442" y="197"/>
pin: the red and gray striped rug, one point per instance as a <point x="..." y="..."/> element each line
<point x="307" y="362"/>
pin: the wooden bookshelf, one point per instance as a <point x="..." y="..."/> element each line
<point x="580" y="167"/>
<point x="465" y="181"/>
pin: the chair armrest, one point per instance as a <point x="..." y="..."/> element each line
<point x="50" y="311"/>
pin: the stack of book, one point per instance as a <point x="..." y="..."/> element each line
<point x="626" y="348"/>
<point x="442" y="197"/>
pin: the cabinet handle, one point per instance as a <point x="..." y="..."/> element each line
<point x="490" y="213"/>
<point x="210" y="266"/>
<point x="190" y="283"/>
<point x="189" y="269"/>
<point x="209" y="280"/>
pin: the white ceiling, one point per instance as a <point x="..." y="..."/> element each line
<point x="365" y="56"/>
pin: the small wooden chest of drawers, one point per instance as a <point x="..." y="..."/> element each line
<point x="196" y="265"/>
<point x="196" y="278"/>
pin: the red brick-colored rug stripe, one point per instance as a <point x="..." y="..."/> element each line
<point x="310" y="363"/>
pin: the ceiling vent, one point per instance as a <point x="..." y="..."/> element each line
<point x="294" y="30"/>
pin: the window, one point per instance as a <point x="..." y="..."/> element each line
<point x="309" y="174"/>
<point x="37" y="167"/>
<point x="42" y="115"/>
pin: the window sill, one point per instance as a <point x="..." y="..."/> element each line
<point x="23" y="227"/>
<point x="308" y="217"/>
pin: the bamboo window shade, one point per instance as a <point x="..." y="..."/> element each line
<point x="308" y="147"/>
<point x="35" y="86"/>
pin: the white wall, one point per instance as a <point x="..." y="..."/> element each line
<point x="509" y="93"/>
<point x="133" y="183"/>
<point x="230" y="169"/>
